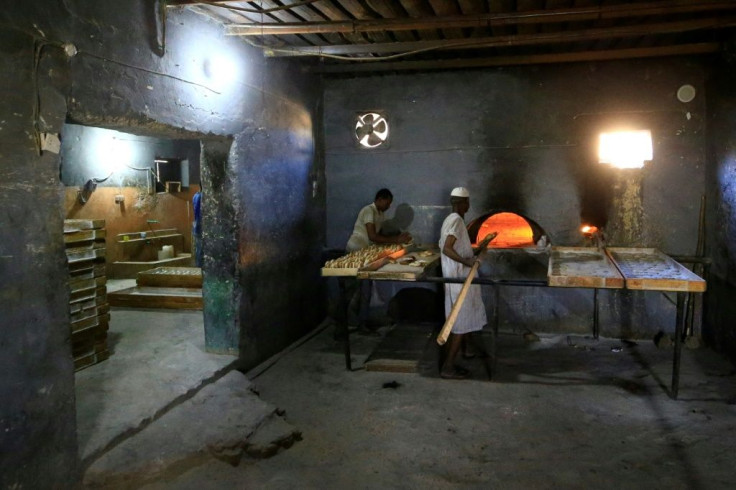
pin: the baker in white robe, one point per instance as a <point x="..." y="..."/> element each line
<point x="457" y="259"/>
<point x="366" y="231"/>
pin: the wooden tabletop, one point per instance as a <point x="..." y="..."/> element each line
<point x="582" y="267"/>
<point x="650" y="269"/>
<point x="353" y="271"/>
<point x="410" y="267"/>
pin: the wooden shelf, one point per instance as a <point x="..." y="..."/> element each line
<point x="149" y="238"/>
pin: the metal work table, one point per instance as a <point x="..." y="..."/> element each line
<point x="634" y="269"/>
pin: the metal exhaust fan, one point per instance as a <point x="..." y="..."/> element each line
<point x="371" y="130"/>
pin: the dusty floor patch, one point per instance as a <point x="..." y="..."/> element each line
<point x="562" y="413"/>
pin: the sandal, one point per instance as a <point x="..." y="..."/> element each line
<point x="457" y="373"/>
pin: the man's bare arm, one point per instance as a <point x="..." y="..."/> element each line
<point x="449" y="250"/>
<point x="378" y="238"/>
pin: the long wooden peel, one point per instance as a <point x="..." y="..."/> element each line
<point x="484" y="243"/>
<point x="450" y="322"/>
<point x="445" y="332"/>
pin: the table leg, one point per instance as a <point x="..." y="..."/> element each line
<point x="494" y="363"/>
<point x="679" y="320"/>
<point x="496" y="305"/>
<point x="365" y="286"/>
<point x="348" y="361"/>
<point x="342" y="315"/>
<point x="689" y="315"/>
<point x="596" y="329"/>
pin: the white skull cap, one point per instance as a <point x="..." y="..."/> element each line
<point x="460" y="192"/>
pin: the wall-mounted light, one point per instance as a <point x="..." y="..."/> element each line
<point x="625" y="149"/>
<point x="220" y="71"/>
<point x="686" y="93"/>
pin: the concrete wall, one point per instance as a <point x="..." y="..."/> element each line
<point x="523" y="139"/>
<point x="719" y="328"/>
<point x="194" y="84"/>
<point x="114" y="156"/>
<point x="88" y="152"/>
<point x="169" y="210"/>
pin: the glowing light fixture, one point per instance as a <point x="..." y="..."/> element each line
<point x="220" y="70"/>
<point x="625" y="149"/>
<point x="119" y="154"/>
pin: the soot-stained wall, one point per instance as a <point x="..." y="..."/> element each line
<point x="256" y="120"/>
<point x="719" y="328"/>
<point x="524" y="140"/>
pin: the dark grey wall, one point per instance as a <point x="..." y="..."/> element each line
<point x="257" y="120"/>
<point x="719" y="328"/>
<point x="523" y="139"/>
<point x="89" y="152"/>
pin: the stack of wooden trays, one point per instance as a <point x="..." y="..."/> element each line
<point x="89" y="309"/>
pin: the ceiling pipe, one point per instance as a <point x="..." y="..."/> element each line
<point x="508" y="41"/>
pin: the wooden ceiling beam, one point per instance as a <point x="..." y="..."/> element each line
<point x="225" y="3"/>
<point x="616" y="54"/>
<point x="513" y="40"/>
<point x="571" y="14"/>
<point x="184" y="3"/>
<point x="390" y="9"/>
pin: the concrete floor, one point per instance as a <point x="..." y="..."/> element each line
<point x="157" y="359"/>
<point x="565" y="412"/>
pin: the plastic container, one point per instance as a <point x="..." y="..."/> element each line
<point x="166" y="252"/>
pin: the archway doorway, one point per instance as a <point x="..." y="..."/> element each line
<point x="137" y="188"/>
<point x="514" y="230"/>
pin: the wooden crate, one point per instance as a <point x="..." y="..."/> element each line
<point x="157" y="297"/>
<point x="72" y="225"/>
<point x="88" y="308"/>
<point x="90" y="359"/>
<point x="184" y="277"/>
<point x="82" y="236"/>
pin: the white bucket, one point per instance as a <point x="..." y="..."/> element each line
<point x="166" y="252"/>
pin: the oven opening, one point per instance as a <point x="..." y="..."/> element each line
<point x="514" y="230"/>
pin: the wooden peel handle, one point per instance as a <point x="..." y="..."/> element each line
<point x="447" y="327"/>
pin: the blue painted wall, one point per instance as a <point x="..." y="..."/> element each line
<point x="257" y="120"/>
<point x="719" y="328"/>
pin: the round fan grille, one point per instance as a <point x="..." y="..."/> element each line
<point x="371" y="129"/>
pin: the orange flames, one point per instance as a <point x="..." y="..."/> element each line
<point x="512" y="229"/>
<point x="589" y="230"/>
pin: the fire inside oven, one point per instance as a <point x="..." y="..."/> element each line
<point x="514" y="230"/>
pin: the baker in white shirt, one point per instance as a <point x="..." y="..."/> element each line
<point x="367" y="229"/>
<point x="457" y="259"/>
